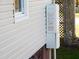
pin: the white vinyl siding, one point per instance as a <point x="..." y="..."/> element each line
<point x="21" y="40"/>
<point x="6" y="12"/>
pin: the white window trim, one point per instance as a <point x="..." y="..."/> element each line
<point x="19" y="16"/>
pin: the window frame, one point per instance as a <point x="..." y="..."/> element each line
<point x="24" y="14"/>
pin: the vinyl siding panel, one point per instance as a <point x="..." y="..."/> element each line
<point x="6" y="12"/>
<point x="21" y="40"/>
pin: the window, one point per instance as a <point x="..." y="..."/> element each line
<point x="19" y="6"/>
<point x="21" y="10"/>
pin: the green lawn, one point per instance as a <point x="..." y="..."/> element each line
<point x="68" y="53"/>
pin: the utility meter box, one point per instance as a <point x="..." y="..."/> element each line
<point x="52" y="14"/>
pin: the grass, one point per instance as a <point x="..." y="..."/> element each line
<point x="67" y="53"/>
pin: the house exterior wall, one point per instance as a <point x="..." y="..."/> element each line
<point x="23" y="39"/>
